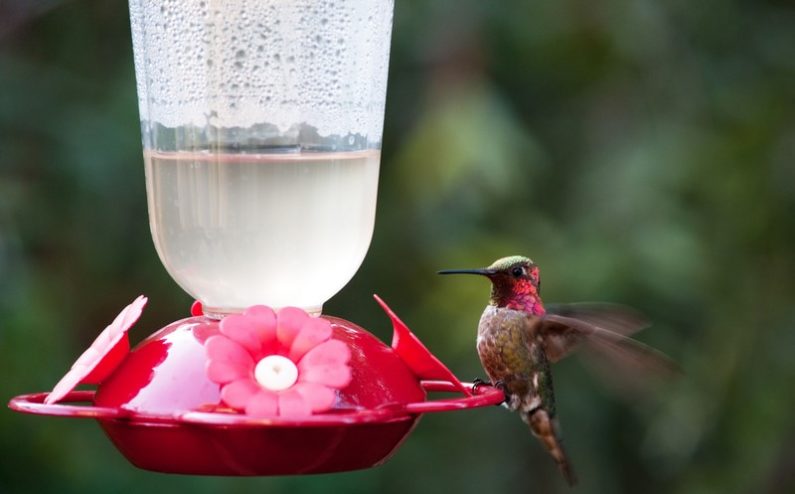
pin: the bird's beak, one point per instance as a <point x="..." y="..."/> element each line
<point x="481" y="271"/>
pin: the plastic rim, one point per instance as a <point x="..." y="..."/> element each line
<point x="483" y="396"/>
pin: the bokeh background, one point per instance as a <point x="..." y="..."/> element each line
<point x="641" y="152"/>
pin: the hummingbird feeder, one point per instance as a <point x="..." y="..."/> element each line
<point x="162" y="407"/>
<point x="261" y="126"/>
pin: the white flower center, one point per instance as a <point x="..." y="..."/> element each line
<point x="276" y="373"/>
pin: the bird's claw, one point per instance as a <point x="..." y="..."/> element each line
<point x="477" y="382"/>
<point x="502" y="387"/>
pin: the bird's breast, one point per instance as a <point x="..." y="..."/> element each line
<point x="503" y="346"/>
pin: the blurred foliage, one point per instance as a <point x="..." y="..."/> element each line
<point x="641" y="152"/>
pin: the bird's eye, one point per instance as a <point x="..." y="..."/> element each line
<point x="517" y="272"/>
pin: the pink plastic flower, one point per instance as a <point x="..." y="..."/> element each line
<point x="104" y="354"/>
<point x="277" y="364"/>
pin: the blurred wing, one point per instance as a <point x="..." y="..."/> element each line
<point x="612" y="317"/>
<point x="563" y="334"/>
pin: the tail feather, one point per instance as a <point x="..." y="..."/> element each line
<point x="545" y="429"/>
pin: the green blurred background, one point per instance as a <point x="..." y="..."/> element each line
<point x="641" y="152"/>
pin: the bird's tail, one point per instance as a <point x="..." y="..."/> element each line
<point x="545" y="428"/>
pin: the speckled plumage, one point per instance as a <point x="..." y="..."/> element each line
<point x="512" y="353"/>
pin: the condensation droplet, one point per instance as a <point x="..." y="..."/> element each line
<point x="304" y="53"/>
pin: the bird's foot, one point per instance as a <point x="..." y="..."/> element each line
<point x="502" y="387"/>
<point x="477" y="382"/>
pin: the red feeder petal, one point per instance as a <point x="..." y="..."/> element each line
<point x="104" y="354"/>
<point x="416" y="355"/>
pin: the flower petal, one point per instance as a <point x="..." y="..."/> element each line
<point x="262" y="312"/>
<point x="128" y="316"/>
<point x="416" y="355"/>
<point x="86" y="359"/>
<point x="265" y="327"/>
<point x="292" y="404"/>
<point x="288" y="323"/>
<point x="326" y="364"/>
<point x="314" y="332"/>
<point x="242" y="330"/>
<point x="223" y="349"/>
<point x="237" y="394"/>
<point x="64" y="386"/>
<point x="329" y="352"/>
<point x="222" y="372"/>
<point x="104" y="355"/>
<point x="264" y="404"/>
<point x="336" y="375"/>
<point x="319" y="397"/>
<point x="105" y="365"/>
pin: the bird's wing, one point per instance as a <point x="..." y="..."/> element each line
<point x="562" y="335"/>
<point x="612" y="317"/>
<point x="584" y="319"/>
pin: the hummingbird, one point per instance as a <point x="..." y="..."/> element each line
<point x="519" y="338"/>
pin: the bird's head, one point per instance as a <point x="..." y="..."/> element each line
<point x="515" y="283"/>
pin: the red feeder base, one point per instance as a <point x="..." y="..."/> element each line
<point x="161" y="411"/>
